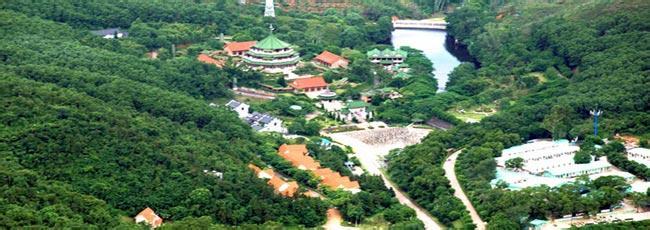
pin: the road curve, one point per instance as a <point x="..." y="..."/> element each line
<point x="450" y="173"/>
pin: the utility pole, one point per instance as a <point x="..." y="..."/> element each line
<point x="596" y="114"/>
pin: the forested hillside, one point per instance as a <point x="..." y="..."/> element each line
<point x="544" y="66"/>
<point x="92" y="132"/>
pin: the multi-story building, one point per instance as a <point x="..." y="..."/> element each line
<point x="272" y="55"/>
<point x="389" y="59"/>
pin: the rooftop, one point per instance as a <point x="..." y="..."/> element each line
<point x="272" y="43"/>
<point x="329" y="58"/>
<point x="402" y="75"/>
<point x="109" y="31"/>
<point x="150" y="217"/>
<point x="209" y="60"/>
<point x="297" y="155"/>
<point x="233" y="104"/>
<point x="357" y="104"/>
<point x="387" y="53"/>
<point x="239" y="46"/>
<point x="280" y="186"/>
<point x="312" y="82"/>
<point x="577" y="168"/>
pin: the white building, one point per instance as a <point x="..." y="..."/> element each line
<point x="593" y="167"/>
<point x="240" y="108"/>
<point x="355" y="110"/>
<point x="260" y="122"/>
<point x="263" y="122"/>
<point x="540" y="156"/>
<point x="110" y="33"/>
<point x="640" y="155"/>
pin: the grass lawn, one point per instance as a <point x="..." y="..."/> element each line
<point x="473" y="114"/>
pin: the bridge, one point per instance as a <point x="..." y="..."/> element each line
<point x="427" y="24"/>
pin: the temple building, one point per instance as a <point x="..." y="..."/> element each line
<point x="238" y="48"/>
<point x="272" y="55"/>
<point x="389" y="59"/>
<point x="331" y="60"/>
<point x="311" y="84"/>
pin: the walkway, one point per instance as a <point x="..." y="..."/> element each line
<point x="254" y="93"/>
<point x="371" y="158"/>
<point x="427" y="24"/>
<point x="450" y="172"/>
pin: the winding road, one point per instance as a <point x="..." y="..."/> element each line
<point x="450" y="173"/>
<point x="371" y="159"/>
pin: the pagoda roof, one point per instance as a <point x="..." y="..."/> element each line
<point x="272" y="43"/>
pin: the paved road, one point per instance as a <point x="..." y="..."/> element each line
<point x="449" y="166"/>
<point x="371" y="158"/>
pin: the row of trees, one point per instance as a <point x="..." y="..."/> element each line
<point x="417" y="170"/>
<point x="171" y="22"/>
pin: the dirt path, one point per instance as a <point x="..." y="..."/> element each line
<point x="371" y="158"/>
<point x="334" y="220"/>
<point x="449" y="166"/>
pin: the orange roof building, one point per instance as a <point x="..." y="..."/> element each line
<point x="280" y="186"/>
<point x="209" y="60"/>
<point x="238" y="48"/>
<point x="297" y="155"/>
<point x="331" y="60"/>
<point x="149" y="216"/>
<point x="310" y="84"/>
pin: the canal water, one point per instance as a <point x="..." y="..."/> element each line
<point x="437" y="46"/>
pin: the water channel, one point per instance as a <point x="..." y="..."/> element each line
<point x="437" y="46"/>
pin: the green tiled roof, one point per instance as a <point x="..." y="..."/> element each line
<point x="402" y="75"/>
<point x="271" y="43"/>
<point x="357" y="104"/>
<point x="387" y="53"/>
<point x="374" y="52"/>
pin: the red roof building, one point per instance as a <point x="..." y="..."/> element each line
<point x="309" y="84"/>
<point x="331" y="60"/>
<point x="209" y="60"/>
<point x="149" y="216"/>
<point x="238" y="48"/>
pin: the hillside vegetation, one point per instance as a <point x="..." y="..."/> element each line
<point x="590" y="54"/>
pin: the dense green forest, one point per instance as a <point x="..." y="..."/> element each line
<point x="544" y="66"/>
<point x="105" y="132"/>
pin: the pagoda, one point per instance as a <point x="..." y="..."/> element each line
<point x="272" y="55"/>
